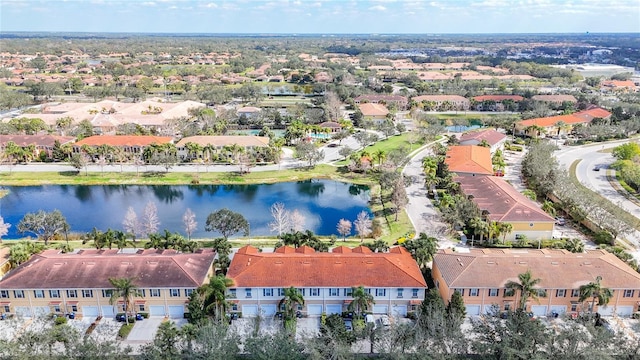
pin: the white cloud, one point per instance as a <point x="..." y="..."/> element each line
<point x="148" y="3"/>
<point x="378" y="8"/>
<point x="211" y="5"/>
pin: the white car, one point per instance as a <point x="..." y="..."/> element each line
<point x="384" y="321"/>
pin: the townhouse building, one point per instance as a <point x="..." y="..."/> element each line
<point x="480" y="276"/>
<point x="55" y="283"/>
<point x="325" y="280"/>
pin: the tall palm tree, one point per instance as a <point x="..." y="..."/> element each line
<point x="380" y="155"/>
<point x="595" y="291"/>
<point x="362" y="300"/>
<point x="505" y="228"/>
<point x="215" y="296"/>
<point x="124" y="288"/>
<point x="526" y="287"/>
<point x="478" y="227"/>
<point x="289" y="303"/>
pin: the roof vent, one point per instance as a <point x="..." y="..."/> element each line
<point x="555" y="263"/>
<point x="278" y="262"/>
<point x="125" y="263"/>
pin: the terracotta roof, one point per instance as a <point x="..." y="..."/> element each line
<point x="437" y="98"/>
<point x="377" y="97"/>
<point x="557" y="269"/>
<point x="331" y="125"/>
<point x="93" y="268"/>
<point x="469" y="159"/>
<point x="249" y="110"/>
<point x="619" y="83"/>
<point x="555" y="98"/>
<point x="38" y="140"/>
<point x="575" y="118"/>
<point x="482" y="98"/>
<point x="501" y="200"/>
<point x="371" y="109"/>
<point x="491" y="136"/>
<point x="307" y="268"/>
<point x="123" y="140"/>
<point x="242" y="140"/>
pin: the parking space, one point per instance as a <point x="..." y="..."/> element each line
<point x="307" y="327"/>
<point x="245" y="326"/>
<point x="107" y="329"/>
<point x="81" y="324"/>
<point x="144" y="330"/>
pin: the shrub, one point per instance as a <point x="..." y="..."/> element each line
<point x="124" y="331"/>
<point x="603" y="237"/>
<point x="60" y="320"/>
<point x="144" y="314"/>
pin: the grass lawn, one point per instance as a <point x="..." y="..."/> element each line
<point x="391" y="143"/>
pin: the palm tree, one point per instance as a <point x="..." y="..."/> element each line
<point x="289" y="304"/>
<point x="124" y="288"/>
<point x="574" y="245"/>
<point x="526" y="287"/>
<point x="478" y="227"/>
<point x="534" y="129"/>
<point x="380" y="155"/>
<point x="215" y="296"/>
<point x="361" y="302"/>
<point x="504" y="228"/>
<point x="595" y="291"/>
<point x="549" y="208"/>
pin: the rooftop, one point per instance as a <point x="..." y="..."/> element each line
<point x="469" y="159"/>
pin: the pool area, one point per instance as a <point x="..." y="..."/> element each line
<point x="255" y="132"/>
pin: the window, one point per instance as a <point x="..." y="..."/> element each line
<point x="87" y="293"/>
<point x="140" y="307"/>
<point x="334" y="292"/>
<point x="474" y="292"/>
<point x="187" y="292"/>
<point x="460" y="291"/>
<point x="400" y="291"/>
<point x="233" y="293"/>
<point x="174" y="292"/>
<point x="437" y="284"/>
<point x="234" y="307"/>
<point x="247" y="293"/>
<point x="493" y="292"/>
<point x="18" y="294"/>
<point x="574" y="307"/>
<point x="142" y="292"/>
<point x="561" y="293"/>
<point x="314" y="292"/>
<point x="348" y="292"/>
<point x="628" y="293"/>
<point x="280" y="292"/>
<point x="72" y="293"/>
<point x="542" y="293"/>
<point x="38" y="294"/>
<point x="56" y="308"/>
<point x="4" y="294"/>
<point x="303" y="292"/>
<point x="74" y="308"/>
<point x="414" y="293"/>
<point x="7" y="309"/>
<point x="507" y="307"/>
<point x="267" y="292"/>
<point x="154" y="292"/>
<point x="54" y="293"/>
<point x="107" y="292"/>
<point x="381" y="292"/>
<point x="575" y="293"/>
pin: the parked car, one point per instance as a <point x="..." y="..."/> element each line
<point x="348" y="324"/>
<point x="561" y="221"/>
<point x="384" y="321"/>
<point x="597" y="168"/>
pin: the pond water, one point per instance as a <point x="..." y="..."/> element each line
<point x="322" y="202"/>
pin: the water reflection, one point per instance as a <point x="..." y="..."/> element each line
<point x="322" y="202"/>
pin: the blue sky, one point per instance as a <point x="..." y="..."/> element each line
<point x="321" y="16"/>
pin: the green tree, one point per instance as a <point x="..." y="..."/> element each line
<point x="45" y="225"/>
<point x="362" y="301"/>
<point x="456" y="307"/>
<point x="504" y="229"/>
<point x="289" y="306"/>
<point x="526" y="287"/>
<point x="422" y="249"/>
<point x="626" y="151"/>
<point x="125" y="289"/>
<point x="214" y="295"/>
<point x="227" y="223"/>
<point x="596" y="292"/>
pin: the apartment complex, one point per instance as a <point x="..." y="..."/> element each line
<point x="55" y="283"/>
<point x="324" y="279"/>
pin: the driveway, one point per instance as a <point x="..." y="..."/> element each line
<point x="307" y="327"/>
<point x="145" y="330"/>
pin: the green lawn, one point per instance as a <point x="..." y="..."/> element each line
<point x="391" y="143"/>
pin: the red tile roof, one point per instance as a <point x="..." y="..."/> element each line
<point x="491" y="136"/>
<point x="555" y="98"/>
<point x="123" y="140"/>
<point x="482" y="98"/>
<point x="284" y="268"/>
<point x="557" y="269"/>
<point x="93" y="268"/>
<point x="501" y="200"/>
<point x="584" y="116"/>
<point x="469" y="159"/>
<point x="37" y="140"/>
<point x="371" y="109"/>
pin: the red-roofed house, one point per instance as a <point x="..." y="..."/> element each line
<point x="494" y="138"/>
<point x="133" y="144"/>
<point x="371" y="111"/>
<point x="560" y="124"/>
<point x="443" y="102"/>
<point x="42" y="143"/>
<point x="324" y="279"/>
<point x="494" y="102"/>
<point x="469" y="160"/>
<point x="400" y="101"/>
<point x="501" y="202"/>
<point x="53" y="282"/>
<point x="619" y="86"/>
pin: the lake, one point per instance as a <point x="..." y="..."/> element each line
<point x="322" y="202"/>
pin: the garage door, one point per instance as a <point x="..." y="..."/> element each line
<point x="267" y="310"/>
<point x="90" y="311"/>
<point x="400" y="310"/>
<point x="380" y="309"/>
<point x="473" y="310"/>
<point x="108" y="311"/>
<point x="334" y="309"/>
<point x="605" y="310"/>
<point x="249" y="310"/>
<point x="41" y="311"/>
<point x="23" y="311"/>
<point x="156" y="310"/>
<point x="314" y="310"/>
<point x="176" y="311"/>
<point x="539" y="310"/>
<point x="624" y="310"/>
<point x="558" y="309"/>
